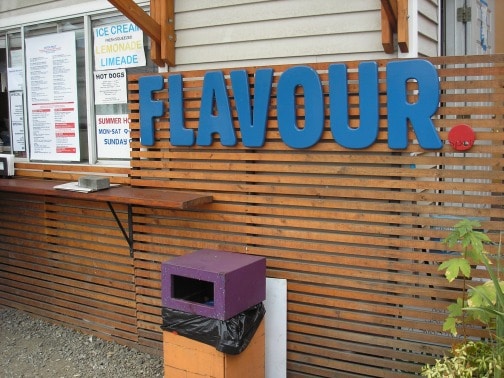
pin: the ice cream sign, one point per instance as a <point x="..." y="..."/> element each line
<point x="118" y="46"/>
<point x="216" y="119"/>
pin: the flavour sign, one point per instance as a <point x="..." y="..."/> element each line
<point x="215" y="116"/>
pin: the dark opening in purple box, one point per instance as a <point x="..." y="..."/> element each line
<point x="214" y="284"/>
<point x="193" y="290"/>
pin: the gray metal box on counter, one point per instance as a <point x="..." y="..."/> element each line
<point x="94" y="182"/>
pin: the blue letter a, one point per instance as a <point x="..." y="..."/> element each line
<point x="215" y="113"/>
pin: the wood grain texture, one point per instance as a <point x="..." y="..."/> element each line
<point x="356" y="233"/>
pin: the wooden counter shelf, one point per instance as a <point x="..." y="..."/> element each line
<point x="127" y="195"/>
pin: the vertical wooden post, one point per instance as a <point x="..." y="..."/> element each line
<point x="167" y="22"/>
<point x="387" y="33"/>
<point x="402" y="25"/>
<point x="155" y="52"/>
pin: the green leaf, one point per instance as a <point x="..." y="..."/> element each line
<point x="450" y="325"/>
<point x="455" y="309"/>
<point x="484" y="315"/>
<point x="482" y="295"/>
<point x="455" y="312"/>
<point x="454" y="267"/>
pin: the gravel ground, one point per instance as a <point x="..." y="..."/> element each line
<point x="33" y="348"/>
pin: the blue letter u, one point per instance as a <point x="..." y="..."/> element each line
<point x="367" y="132"/>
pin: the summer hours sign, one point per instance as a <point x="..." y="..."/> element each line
<point x="215" y="114"/>
<point x="113" y="137"/>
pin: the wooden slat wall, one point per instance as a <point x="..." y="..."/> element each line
<point x="67" y="261"/>
<point x="352" y="231"/>
<point x="355" y="233"/>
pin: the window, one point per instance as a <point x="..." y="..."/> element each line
<point x="63" y="88"/>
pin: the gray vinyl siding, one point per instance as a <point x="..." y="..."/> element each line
<point x="238" y="33"/>
<point x="428" y="28"/>
<point x="20" y="7"/>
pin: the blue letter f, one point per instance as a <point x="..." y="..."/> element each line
<point x="148" y="108"/>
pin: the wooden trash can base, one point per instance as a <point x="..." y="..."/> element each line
<point x="187" y="358"/>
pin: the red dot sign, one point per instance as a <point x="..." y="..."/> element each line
<point x="461" y="137"/>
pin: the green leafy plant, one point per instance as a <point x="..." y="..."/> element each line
<point x="470" y="359"/>
<point x="483" y="303"/>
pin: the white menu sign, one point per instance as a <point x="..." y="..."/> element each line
<point x="113" y="136"/>
<point x="51" y="72"/>
<point x="17" y="121"/>
<point x="110" y="87"/>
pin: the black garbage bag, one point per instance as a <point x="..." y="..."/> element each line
<point x="230" y="336"/>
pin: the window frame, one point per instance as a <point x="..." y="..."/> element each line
<point x="89" y="17"/>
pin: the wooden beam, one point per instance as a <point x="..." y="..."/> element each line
<point x="137" y="15"/>
<point x="387" y="33"/>
<point x="402" y="25"/>
<point x="159" y="26"/>
<point x="390" y="9"/>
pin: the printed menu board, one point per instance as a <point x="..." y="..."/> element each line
<point x="53" y="120"/>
